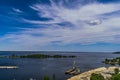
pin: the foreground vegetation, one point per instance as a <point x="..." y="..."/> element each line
<point x="48" y="78"/>
<point x="115" y="76"/>
<point x="95" y="76"/>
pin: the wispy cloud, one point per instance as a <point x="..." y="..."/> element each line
<point x="17" y="10"/>
<point x="90" y="24"/>
<point x="60" y="13"/>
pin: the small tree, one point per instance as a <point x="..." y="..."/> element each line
<point x="119" y="61"/>
<point x="116" y="77"/>
<point x="95" y="76"/>
<point x="116" y="71"/>
<point x="46" y="78"/>
<point x="54" y="77"/>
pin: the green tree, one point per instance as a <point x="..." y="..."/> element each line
<point x="54" y="77"/>
<point x="95" y="76"/>
<point x="116" y="77"/>
<point x="116" y="71"/>
<point x="119" y="61"/>
<point x="46" y="78"/>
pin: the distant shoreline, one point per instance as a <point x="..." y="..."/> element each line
<point x="116" y="53"/>
<point x="63" y="51"/>
<point x="38" y="56"/>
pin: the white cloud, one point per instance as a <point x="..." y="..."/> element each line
<point x="81" y="17"/>
<point x="17" y="10"/>
<point x="59" y="13"/>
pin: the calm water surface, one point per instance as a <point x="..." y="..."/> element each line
<point x="38" y="68"/>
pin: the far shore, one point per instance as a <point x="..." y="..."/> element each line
<point x="39" y="56"/>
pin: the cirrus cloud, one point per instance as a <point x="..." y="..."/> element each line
<point x="89" y="24"/>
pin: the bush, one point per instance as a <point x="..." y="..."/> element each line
<point x="46" y="78"/>
<point x="95" y="76"/>
<point x="116" y="77"/>
<point x="54" y="77"/>
<point x="116" y="71"/>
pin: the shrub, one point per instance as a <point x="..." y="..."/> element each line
<point x="46" y="78"/>
<point x="95" y="76"/>
<point x="116" y="71"/>
<point x="116" y="77"/>
<point x="54" y="77"/>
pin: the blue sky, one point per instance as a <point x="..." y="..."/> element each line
<point x="60" y="25"/>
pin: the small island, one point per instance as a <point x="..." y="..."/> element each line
<point x="116" y="53"/>
<point x="40" y="56"/>
<point x="113" y="61"/>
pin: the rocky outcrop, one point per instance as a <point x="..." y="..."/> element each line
<point x="106" y="72"/>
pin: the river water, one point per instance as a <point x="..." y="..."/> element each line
<point x="38" y="68"/>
